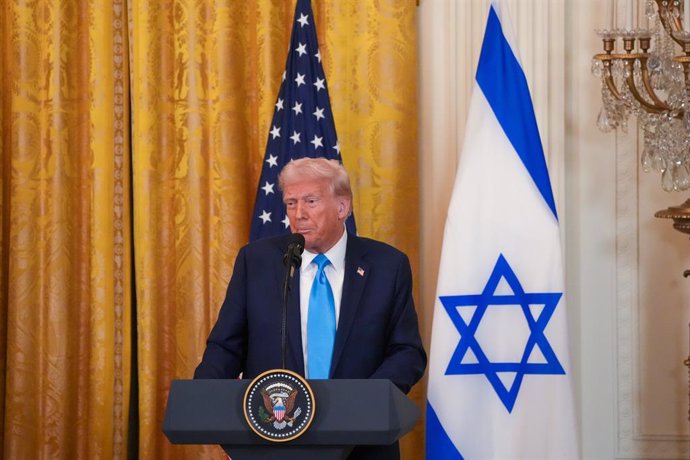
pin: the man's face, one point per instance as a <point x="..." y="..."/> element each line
<point x="315" y="212"/>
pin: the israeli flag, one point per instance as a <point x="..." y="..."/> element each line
<point x="500" y="382"/>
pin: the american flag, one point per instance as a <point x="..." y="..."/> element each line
<point x="302" y="124"/>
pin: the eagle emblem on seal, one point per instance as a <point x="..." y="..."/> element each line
<point x="279" y="403"/>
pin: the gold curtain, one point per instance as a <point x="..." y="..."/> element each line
<point x="65" y="267"/>
<point x="204" y="77"/>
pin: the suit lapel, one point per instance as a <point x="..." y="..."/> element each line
<point x="356" y="274"/>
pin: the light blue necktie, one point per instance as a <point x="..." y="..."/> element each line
<point x="320" y="323"/>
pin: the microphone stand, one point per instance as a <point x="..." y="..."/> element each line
<point x="286" y="294"/>
<point x="292" y="260"/>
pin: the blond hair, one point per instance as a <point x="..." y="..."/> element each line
<point x="317" y="169"/>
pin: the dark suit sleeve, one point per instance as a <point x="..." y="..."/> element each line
<point x="405" y="358"/>
<point x="226" y="352"/>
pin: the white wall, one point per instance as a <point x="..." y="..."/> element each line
<point x="629" y="305"/>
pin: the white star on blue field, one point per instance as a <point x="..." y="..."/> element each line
<point x="519" y="299"/>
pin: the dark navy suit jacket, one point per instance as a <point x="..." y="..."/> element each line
<point x="377" y="334"/>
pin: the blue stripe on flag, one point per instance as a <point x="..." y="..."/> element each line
<point x="504" y="85"/>
<point x="438" y="444"/>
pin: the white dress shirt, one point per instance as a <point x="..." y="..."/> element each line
<point x="335" y="272"/>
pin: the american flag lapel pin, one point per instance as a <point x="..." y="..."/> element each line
<point x="360" y="271"/>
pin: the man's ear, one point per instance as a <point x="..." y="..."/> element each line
<point x="343" y="208"/>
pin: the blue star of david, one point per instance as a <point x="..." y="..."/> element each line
<point x="467" y="331"/>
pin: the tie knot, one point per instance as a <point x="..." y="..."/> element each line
<point x="321" y="261"/>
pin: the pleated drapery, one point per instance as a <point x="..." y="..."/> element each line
<point x="118" y="213"/>
<point x="66" y="241"/>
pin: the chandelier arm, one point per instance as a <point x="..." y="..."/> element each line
<point x="646" y="81"/>
<point x="630" y="80"/>
<point x="607" y="78"/>
<point x="612" y="87"/>
<point x="650" y="108"/>
<point x="657" y="107"/>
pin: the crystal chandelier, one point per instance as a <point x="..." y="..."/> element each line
<point x="645" y="71"/>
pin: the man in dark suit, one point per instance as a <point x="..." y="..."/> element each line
<point x="369" y="286"/>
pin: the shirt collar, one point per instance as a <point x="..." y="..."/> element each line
<point x="336" y="255"/>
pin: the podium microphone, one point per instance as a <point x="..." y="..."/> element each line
<point x="292" y="260"/>
<point x="293" y="254"/>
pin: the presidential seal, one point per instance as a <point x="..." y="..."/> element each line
<point x="279" y="405"/>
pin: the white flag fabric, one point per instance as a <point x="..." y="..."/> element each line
<point x="500" y="384"/>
